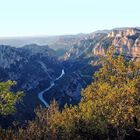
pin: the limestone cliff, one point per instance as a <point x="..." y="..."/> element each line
<point x="125" y="41"/>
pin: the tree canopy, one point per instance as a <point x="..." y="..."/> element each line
<point x="8" y="98"/>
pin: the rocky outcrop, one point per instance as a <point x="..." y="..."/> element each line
<point x="125" y="40"/>
<point x="135" y="51"/>
<point x="84" y="48"/>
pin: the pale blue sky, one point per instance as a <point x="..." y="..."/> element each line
<point x="54" y="17"/>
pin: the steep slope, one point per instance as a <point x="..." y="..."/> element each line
<point x="83" y="49"/>
<point x="125" y="40"/>
<point x="29" y="65"/>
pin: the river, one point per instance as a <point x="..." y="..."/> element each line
<point x="41" y="94"/>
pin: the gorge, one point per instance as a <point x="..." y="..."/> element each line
<point x="35" y="67"/>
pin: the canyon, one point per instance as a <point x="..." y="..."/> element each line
<point x="36" y="67"/>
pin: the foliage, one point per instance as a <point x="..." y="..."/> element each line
<point x="112" y="100"/>
<point x="8" y="98"/>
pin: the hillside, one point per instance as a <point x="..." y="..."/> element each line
<point x="109" y="108"/>
<point x="36" y="67"/>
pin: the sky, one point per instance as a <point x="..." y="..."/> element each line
<point x="57" y="17"/>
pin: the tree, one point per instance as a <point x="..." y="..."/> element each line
<point x="8" y="98"/>
<point x="113" y="99"/>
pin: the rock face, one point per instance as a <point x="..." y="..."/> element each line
<point x="84" y="48"/>
<point x="125" y="40"/>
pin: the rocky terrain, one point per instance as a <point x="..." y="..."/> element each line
<point x="28" y="65"/>
<point x="35" y="67"/>
<point x="125" y="40"/>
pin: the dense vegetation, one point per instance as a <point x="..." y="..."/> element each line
<point x="8" y="98"/>
<point x="109" y="109"/>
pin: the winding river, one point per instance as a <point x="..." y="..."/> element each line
<point x="41" y="94"/>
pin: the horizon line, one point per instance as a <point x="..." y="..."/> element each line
<point x="65" y="34"/>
